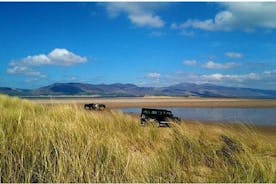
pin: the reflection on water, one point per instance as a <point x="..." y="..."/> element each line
<point x="258" y="116"/>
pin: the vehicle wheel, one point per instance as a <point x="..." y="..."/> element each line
<point x="158" y="124"/>
<point x="142" y="122"/>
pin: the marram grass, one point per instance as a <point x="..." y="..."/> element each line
<point x="64" y="143"/>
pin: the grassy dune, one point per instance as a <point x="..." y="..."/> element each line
<point x="63" y="143"/>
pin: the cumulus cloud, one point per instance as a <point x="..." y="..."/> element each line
<point x="61" y="57"/>
<point x="190" y="62"/>
<point x="58" y="57"/>
<point x="217" y="66"/>
<point x="234" y="55"/>
<point x="236" y="15"/>
<point x="140" y="14"/>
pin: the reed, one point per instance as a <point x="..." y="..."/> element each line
<point x="64" y="143"/>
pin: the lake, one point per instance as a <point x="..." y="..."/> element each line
<point x="257" y="116"/>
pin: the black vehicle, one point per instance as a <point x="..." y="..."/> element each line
<point x="94" y="106"/>
<point x="160" y="116"/>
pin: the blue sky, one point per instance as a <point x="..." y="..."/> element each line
<point x="148" y="44"/>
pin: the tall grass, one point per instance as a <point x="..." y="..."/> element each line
<point x="64" y="143"/>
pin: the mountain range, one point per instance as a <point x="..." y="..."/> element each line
<point x="131" y="90"/>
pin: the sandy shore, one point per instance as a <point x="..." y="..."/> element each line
<point x="165" y="102"/>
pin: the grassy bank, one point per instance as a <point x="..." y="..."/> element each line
<point x="63" y="143"/>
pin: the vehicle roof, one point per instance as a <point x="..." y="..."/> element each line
<point x="155" y="109"/>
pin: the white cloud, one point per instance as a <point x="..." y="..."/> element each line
<point x="234" y="55"/>
<point x="237" y="78"/>
<point x="220" y="22"/>
<point x="138" y="13"/>
<point x="58" y="57"/>
<point x="37" y="60"/>
<point x="146" y="20"/>
<point x="31" y="80"/>
<point x="61" y="57"/>
<point x="216" y="76"/>
<point x="190" y="62"/>
<point x="237" y="15"/>
<point x="216" y="66"/>
<point x="73" y="78"/>
<point x="154" y="76"/>
<point x="262" y="80"/>
<point x="222" y="79"/>
<point x="24" y="70"/>
<point x="65" y="58"/>
<point x="211" y="64"/>
<point x="269" y="72"/>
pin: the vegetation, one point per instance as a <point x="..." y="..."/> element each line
<point x="64" y="143"/>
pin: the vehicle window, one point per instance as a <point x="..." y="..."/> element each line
<point x="145" y="112"/>
<point x="153" y="112"/>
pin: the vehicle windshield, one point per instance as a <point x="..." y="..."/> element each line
<point x="157" y="112"/>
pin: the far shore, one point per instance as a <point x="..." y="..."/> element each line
<point x="157" y="102"/>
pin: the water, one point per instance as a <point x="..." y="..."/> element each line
<point x="257" y="116"/>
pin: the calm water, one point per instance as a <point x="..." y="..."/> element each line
<point x="258" y="116"/>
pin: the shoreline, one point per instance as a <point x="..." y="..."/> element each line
<point x="138" y="102"/>
<point x="265" y="129"/>
<point x="175" y="102"/>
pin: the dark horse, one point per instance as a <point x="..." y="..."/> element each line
<point x="93" y="106"/>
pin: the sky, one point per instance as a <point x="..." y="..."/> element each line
<point x="147" y="44"/>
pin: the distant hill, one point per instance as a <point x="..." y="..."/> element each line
<point x="131" y="90"/>
<point x="116" y="89"/>
<point x="14" y="91"/>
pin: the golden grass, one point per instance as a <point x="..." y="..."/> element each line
<point x="64" y="143"/>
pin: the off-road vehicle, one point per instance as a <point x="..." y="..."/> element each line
<point x="159" y="116"/>
<point x="94" y="106"/>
